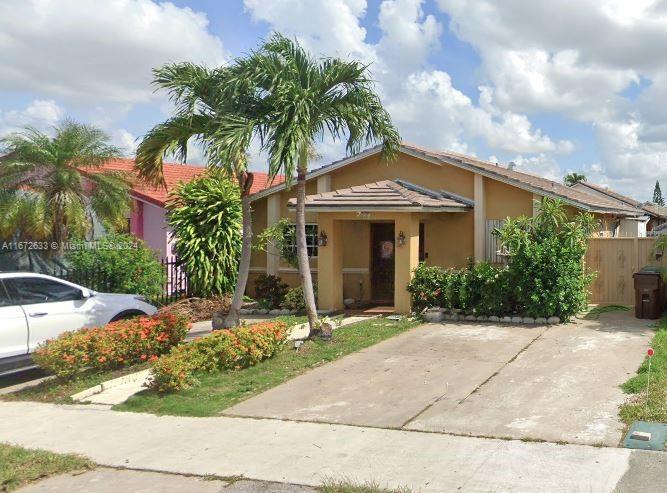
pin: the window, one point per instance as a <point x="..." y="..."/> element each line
<point x="30" y="290"/>
<point x="4" y="297"/>
<point x="311" y="240"/>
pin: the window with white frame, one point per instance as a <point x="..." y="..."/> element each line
<point x="311" y="240"/>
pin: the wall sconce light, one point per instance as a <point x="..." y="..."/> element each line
<point x="322" y="239"/>
<point x="401" y="238"/>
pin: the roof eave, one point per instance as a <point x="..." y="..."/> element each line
<point x="350" y="208"/>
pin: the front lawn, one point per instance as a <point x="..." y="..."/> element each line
<point x="656" y="410"/>
<point x="220" y="390"/>
<point x="59" y="391"/>
<point x="20" y="466"/>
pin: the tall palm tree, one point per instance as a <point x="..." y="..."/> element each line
<point x="205" y="105"/>
<point x="51" y="186"/>
<point x="297" y="100"/>
<point x="574" y="178"/>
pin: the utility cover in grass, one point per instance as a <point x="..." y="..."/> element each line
<point x="658" y="433"/>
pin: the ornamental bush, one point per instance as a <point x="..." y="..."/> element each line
<point x="270" y="291"/>
<point x="427" y="288"/>
<point x="480" y="289"/>
<point x="117" y="344"/>
<point x="205" y="217"/>
<point x="294" y="300"/>
<point x="123" y="261"/>
<point x="544" y="277"/>
<point x="546" y="260"/>
<point x="222" y="350"/>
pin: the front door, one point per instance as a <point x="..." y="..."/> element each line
<point x="382" y="262"/>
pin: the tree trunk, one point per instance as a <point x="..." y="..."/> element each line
<point x="232" y="318"/>
<point x="302" y="249"/>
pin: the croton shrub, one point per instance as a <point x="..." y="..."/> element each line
<point x="544" y="276"/>
<point x="117" y="344"/>
<point x="221" y="350"/>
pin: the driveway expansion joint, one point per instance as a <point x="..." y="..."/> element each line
<point x="487" y="380"/>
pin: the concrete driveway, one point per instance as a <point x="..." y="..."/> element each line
<point x="557" y="383"/>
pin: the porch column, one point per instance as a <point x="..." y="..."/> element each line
<point x="406" y="258"/>
<point x="479" y="219"/>
<point x="330" y="265"/>
<point x="272" y="217"/>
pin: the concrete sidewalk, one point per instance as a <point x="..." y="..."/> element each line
<point x="306" y="453"/>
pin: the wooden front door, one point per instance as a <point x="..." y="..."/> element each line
<point x="382" y="262"/>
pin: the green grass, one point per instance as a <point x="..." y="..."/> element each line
<point x="218" y="391"/>
<point x="594" y="313"/>
<point x="59" y="391"/>
<point x="20" y="466"/>
<point x="636" y="408"/>
<point x="347" y="486"/>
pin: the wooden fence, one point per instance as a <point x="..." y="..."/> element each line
<point x="615" y="260"/>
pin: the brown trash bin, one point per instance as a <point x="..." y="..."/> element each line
<point x="648" y="295"/>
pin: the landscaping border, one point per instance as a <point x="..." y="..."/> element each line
<point x="435" y="315"/>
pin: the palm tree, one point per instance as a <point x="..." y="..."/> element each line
<point x="51" y="186"/>
<point x="296" y="101"/>
<point x="574" y="178"/>
<point x="205" y="104"/>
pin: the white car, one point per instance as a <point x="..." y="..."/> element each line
<point x="36" y="307"/>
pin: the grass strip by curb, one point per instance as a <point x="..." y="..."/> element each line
<point x="20" y="466"/>
<point x="347" y="486"/>
<point x="220" y="390"/>
<point x="636" y="408"/>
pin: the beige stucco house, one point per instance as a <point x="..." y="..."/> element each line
<point x="375" y="222"/>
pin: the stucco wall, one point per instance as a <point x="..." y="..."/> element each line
<point x="504" y="200"/>
<point x="155" y="229"/>
<point x="408" y="168"/>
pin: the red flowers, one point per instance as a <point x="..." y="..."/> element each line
<point x="117" y="344"/>
<point x="224" y="349"/>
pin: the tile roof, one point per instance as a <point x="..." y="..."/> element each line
<point x="589" y="201"/>
<point x="655" y="209"/>
<point x="173" y="175"/>
<point x="387" y="194"/>
<point x="583" y="185"/>
<point x="536" y="184"/>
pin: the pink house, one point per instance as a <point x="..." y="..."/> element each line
<point x="148" y="219"/>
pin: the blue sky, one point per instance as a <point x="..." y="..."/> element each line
<point x="497" y="79"/>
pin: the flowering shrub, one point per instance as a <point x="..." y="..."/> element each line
<point x="117" y="344"/>
<point x="222" y="350"/>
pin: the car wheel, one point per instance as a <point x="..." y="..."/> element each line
<point x="127" y="314"/>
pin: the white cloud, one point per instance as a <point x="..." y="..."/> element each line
<point x="423" y="103"/>
<point x="541" y="164"/>
<point x="41" y="114"/>
<point x="85" y="51"/>
<point x="328" y="27"/>
<point x="576" y="58"/>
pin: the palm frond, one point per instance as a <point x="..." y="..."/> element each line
<point x="168" y="138"/>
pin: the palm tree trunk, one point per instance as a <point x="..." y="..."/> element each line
<point x="301" y="247"/>
<point x="232" y="318"/>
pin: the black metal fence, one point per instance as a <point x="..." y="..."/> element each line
<point x="174" y="288"/>
<point x="176" y="284"/>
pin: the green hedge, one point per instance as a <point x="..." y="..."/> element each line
<point x="544" y="275"/>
